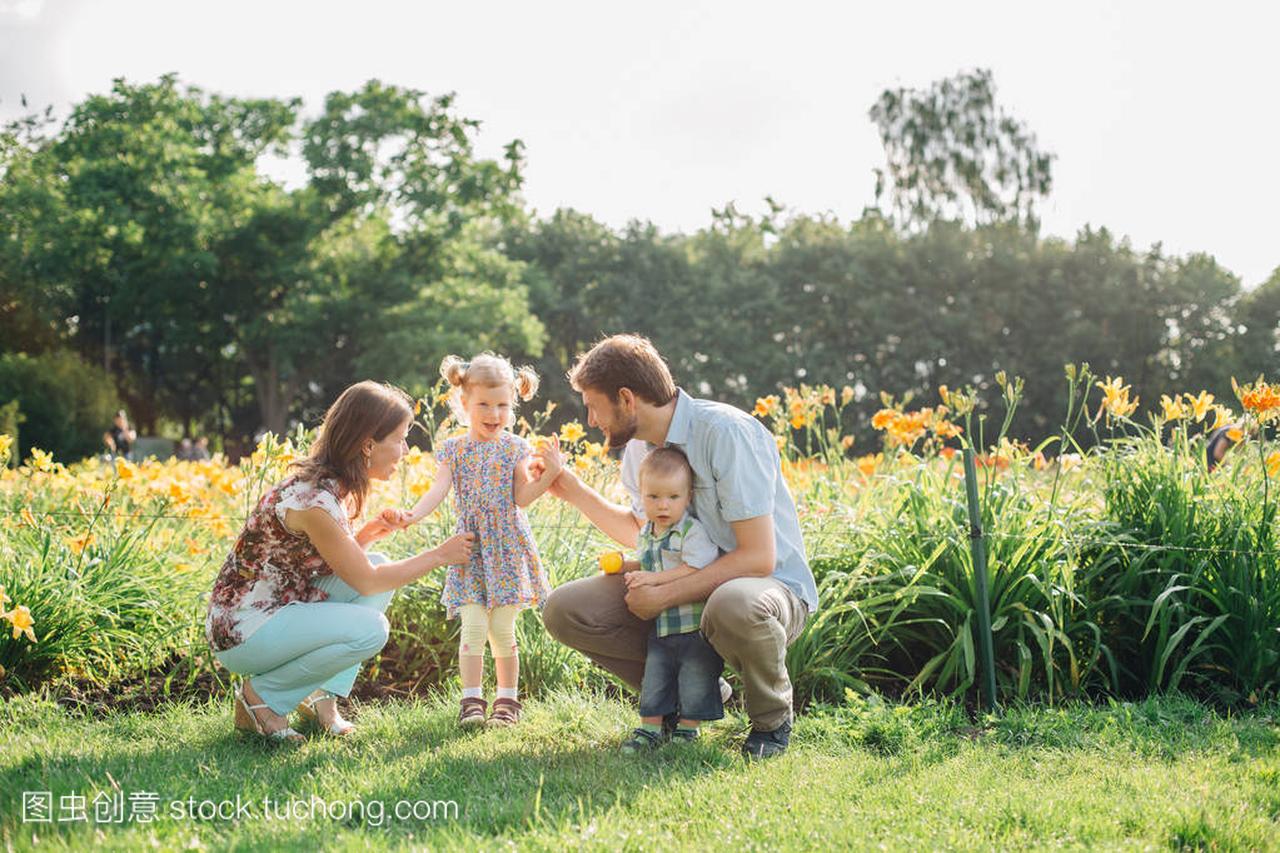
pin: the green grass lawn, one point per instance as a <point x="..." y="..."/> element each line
<point x="1161" y="773"/>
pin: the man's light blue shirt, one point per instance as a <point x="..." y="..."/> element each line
<point x="737" y="475"/>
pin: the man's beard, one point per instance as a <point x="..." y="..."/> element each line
<point x="619" y="436"/>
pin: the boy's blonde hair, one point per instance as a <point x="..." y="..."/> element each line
<point x="665" y="461"/>
<point x="490" y="371"/>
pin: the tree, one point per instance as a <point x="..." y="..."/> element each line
<point x="380" y="259"/>
<point x="143" y="234"/>
<point x="1258" y="322"/>
<point x="953" y="154"/>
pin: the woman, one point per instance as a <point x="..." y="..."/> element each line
<point x="298" y="603"/>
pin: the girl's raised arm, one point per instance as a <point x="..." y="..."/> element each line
<point x="529" y="488"/>
<point x="438" y="491"/>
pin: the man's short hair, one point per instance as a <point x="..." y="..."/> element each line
<point x="624" y="361"/>
<point x="665" y="461"/>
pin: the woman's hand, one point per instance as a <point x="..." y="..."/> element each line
<point x="456" y="550"/>
<point x="373" y="530"/>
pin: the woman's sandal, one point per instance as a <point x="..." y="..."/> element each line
<point x="506" y="712"/>
<point x="246" y="720"/>
<point x="307" y="709"/>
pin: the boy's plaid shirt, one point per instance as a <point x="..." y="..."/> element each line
<point x="657" y="553"/>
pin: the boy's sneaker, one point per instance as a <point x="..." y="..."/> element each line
<point x="683" y="735"/>
<point x="642" y="740"/>
<point x="762" y="744"/>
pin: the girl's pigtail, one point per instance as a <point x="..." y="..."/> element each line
<point x="526" y="382"/>
<point x="453" y="370"/>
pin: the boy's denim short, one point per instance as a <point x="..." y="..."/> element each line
<point x="681" y="673"/>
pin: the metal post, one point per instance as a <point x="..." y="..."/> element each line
<point x="978" y="550"/>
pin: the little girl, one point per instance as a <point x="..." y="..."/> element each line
<point x="488" y="468"/>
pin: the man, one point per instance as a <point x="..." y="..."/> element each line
<point x="120" y="437"/>
<point x="759" y="592"/>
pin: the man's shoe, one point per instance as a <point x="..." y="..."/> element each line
<point x="762" y="744"/>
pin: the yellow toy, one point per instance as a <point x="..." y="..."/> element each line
<point x="611" y="562"/>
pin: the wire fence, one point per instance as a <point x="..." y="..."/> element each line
<point x="832" y="524"/>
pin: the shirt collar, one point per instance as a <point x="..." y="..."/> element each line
<point x="678" y="431"/>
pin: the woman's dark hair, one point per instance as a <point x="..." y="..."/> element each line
<point x="363" y="411"/>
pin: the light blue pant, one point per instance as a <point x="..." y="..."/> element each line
<point x="305" y="647"/>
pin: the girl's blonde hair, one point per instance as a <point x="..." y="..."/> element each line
<point x="488" y="370"/>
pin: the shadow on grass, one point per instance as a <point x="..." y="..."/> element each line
<point x="555" y="768"/>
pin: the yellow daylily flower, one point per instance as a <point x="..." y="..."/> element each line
<point x="22" y="622"/>
<point x="1261" y="399"/>
<point x="1273" y="468"/>
<point x="867" y="464"/>
<point x="77" y="544"/>
<point x="6" y="441"/>
<point x="1200" y="405"/>
<point x="1173" y="410"/>
<point x="883" y="418"/>
<point x="765" y="406"/>
<point x="1222" y="416"/>
<point x="40" y="460"/>
<point x="572" y="432"/>
<point x="1116" y="400"/>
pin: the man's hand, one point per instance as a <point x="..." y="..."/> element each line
<point x="560" y="485"/>
<point x="646" y="602"/>
<point x="635" y="580"/>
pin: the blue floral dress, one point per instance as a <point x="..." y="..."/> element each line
<point x="505" y="567"/>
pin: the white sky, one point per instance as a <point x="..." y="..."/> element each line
<point x="1163" y="114"/>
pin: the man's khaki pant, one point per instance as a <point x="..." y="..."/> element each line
<point x="749" y="621"/>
